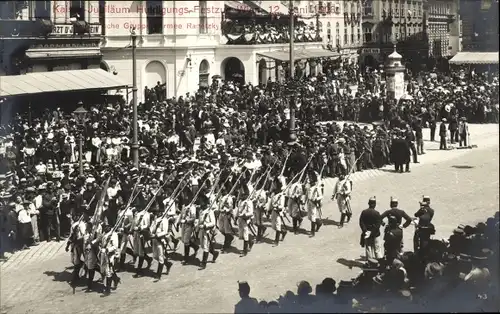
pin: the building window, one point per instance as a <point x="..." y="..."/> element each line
<point x="367" y="35"/>
<point x="419" y="10"/>
<point x="368" y="8"/>
<point x="352" y="36"/>
<point x="77" y="9"/>
<point x="102" y="16"/>
<point x="203" y="17"/>
<point x="329" y="32"/>
<point x="359" y="35"/>
<point x="337" y="33"/>
<point x="320" y="27"/>
<point x="42" y="10"/>
<point x="346" y="7"/>
<point x="346" y="39"/>
<point x="154" y="17"/>
<point x="204" y="73"/>
<point x="328" y="8"/>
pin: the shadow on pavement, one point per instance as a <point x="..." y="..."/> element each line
<point x="462" y="167"/>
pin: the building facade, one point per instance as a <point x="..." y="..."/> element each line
<point x="386" y="22"/>
<point x="183" y="44"/>
<point x="341" y="23"/>
<point x="443" y="27"/>
<point x="40" y="36"/>
<point x="479" y="21"/>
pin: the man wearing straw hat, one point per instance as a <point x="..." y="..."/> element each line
<point x="342" y="193"/>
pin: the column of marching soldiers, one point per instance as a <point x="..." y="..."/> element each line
<point x="237" y="193"/>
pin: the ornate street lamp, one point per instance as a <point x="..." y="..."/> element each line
<point x="135" y="142"/>
<point x="80" y="116"/>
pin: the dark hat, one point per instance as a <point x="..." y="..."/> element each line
<point x="243" y="286"/>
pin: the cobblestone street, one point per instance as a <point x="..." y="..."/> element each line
<point x="463" y="186"/>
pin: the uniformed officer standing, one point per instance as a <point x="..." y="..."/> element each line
<point x="314" y="204"/>
<point x="109" y="251"/>
<point x="159" y="231"/>
<point x="393" y="232"/>
<point x="206" y="225"/>
<point x="186" y="219"/>
<point x="224" y="221"/>
<point x="425" y="228"/>
<point x="342" y="193"/>
<point x="75" y="242"/>
<point x="442" y="134"/>
<point x="142" y="221"/>
<point x="278" y="211"/>
<point x="245" y="215"/>
<point x="370" y="222"/>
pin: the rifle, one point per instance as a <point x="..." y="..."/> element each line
<point x="195" y="197"/>
<point x="175" y="194"/>
<point x="234" y="186"/>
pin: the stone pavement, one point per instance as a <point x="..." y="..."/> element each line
<point x="463" y="186"/>
<point x="483" y="135"/>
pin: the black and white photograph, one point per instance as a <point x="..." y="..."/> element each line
<point x="249" y="156"/>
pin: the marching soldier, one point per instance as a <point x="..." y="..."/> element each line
<point x="369" y="222"/>
<point x="342" y="193"/>
<point x="260" y="198"/>
<point x="295" y="201"/>
<point x="159" y="231"/>
<point x="278" y="211"/>
<point x="125" y="234"/>
<point x="187" y="219"/>
<point x="315" y="197"/>
<point x="91" y="243"/>
<point x="245" y="214"/>
<point x="142" y="222"/>
<point x="206" y="235"/>
<point x="171" y="212"/>
<point x="75" y="242"/>
<point x="224" y="222"/>
<point x="109" y="250"/>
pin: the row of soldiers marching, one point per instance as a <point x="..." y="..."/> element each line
<point x="242" y="193"/>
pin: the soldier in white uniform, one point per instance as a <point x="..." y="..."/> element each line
<point x="171" y="214"/>
<point x="342" y="193"/>
<point x="295" y="202"/>
<point x="75" y="242"/>
<point x="245" y="216"/>
<point x="109" y="251"/>
<point x="142" y="221"/>
<point x="278" y="211"/>
<point x="314" y="204"/>
<point x="224" y="222"/>
<point x="125" y="228"/>
<point x="91" y="245"/>
<point x="187" y="219"/>
<point x="159" y="232"/>
<point x="206" y="234"/>
<point x="261" y="200"/>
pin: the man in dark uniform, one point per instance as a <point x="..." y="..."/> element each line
<point x="393" y="233"/>
<point x="410" y="140"/>
<point x="425" y="228"/>
<point x="453" y="127"/>
<point x="48" y="214"/>
<point x="297" y="161"/>
<point x="442" y="134"/>
<point x="432" y="123"/>
<point x="370" y="222"/>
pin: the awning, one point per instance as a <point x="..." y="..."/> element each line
<point x="284" y="55"/>
<point x="62" y="53"/>
<point x="475" y="58"/>
<point x="58" y="81"/>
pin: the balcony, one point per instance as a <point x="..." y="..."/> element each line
<point x="234" y="33"/>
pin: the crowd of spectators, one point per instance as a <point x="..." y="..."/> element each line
<point x="39" y="175"/>
<point x="459" y="274"/>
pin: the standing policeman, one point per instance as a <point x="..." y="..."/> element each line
<point x="425" y="228"/>
<point x="370" y="222"/>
